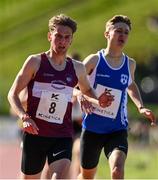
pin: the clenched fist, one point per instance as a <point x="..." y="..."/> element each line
<point x="105" y="99"/>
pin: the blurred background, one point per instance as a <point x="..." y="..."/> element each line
<point x="23" y="31"/>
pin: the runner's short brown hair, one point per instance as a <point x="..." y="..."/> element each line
<point x="116" y="19"/>
<point x="64" y="20"/>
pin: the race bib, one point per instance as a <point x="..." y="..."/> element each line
<point x="52" y="107"/>
<point x="111" y="111"/>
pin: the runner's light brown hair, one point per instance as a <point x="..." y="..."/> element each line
<point x="64" y="20"/>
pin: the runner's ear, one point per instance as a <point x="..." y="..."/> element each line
<point x="106" y="34"/>
<point x="49" y="36"/>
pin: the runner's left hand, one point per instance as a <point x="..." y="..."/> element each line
<point x="148" y="114"/>
<point x="105" y="99"/>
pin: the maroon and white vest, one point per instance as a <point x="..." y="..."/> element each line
<point x="49" y="99"/>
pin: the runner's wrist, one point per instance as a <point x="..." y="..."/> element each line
<point x="140" y="107"/>
<point x="25" y="116"/>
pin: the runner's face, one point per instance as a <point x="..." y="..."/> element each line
<point x="60" y="39"/>
<point x="118" y="34"/>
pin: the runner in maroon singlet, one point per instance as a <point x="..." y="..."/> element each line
<point x="50" y="78"/>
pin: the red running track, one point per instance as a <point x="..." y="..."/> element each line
<point x="10" y="156"/>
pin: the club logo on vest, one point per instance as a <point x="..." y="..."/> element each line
<point x="69" y="78"/>
<point x="124" y="79"/>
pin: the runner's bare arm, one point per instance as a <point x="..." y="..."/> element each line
<point x="22" y="79"/>
<point x="133" y="90"/>
<point x="90" y="62"/>
<point x="82" y="70"/>
<point x="135" y="95"/>
<point x="83" y="82"/>
<point x="86" y="94"/>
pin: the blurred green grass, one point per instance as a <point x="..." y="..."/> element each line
<point x="141" y="163"/>
<point x="24" y="26"/>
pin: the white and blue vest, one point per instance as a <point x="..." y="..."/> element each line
<point x="112" y="118"/>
